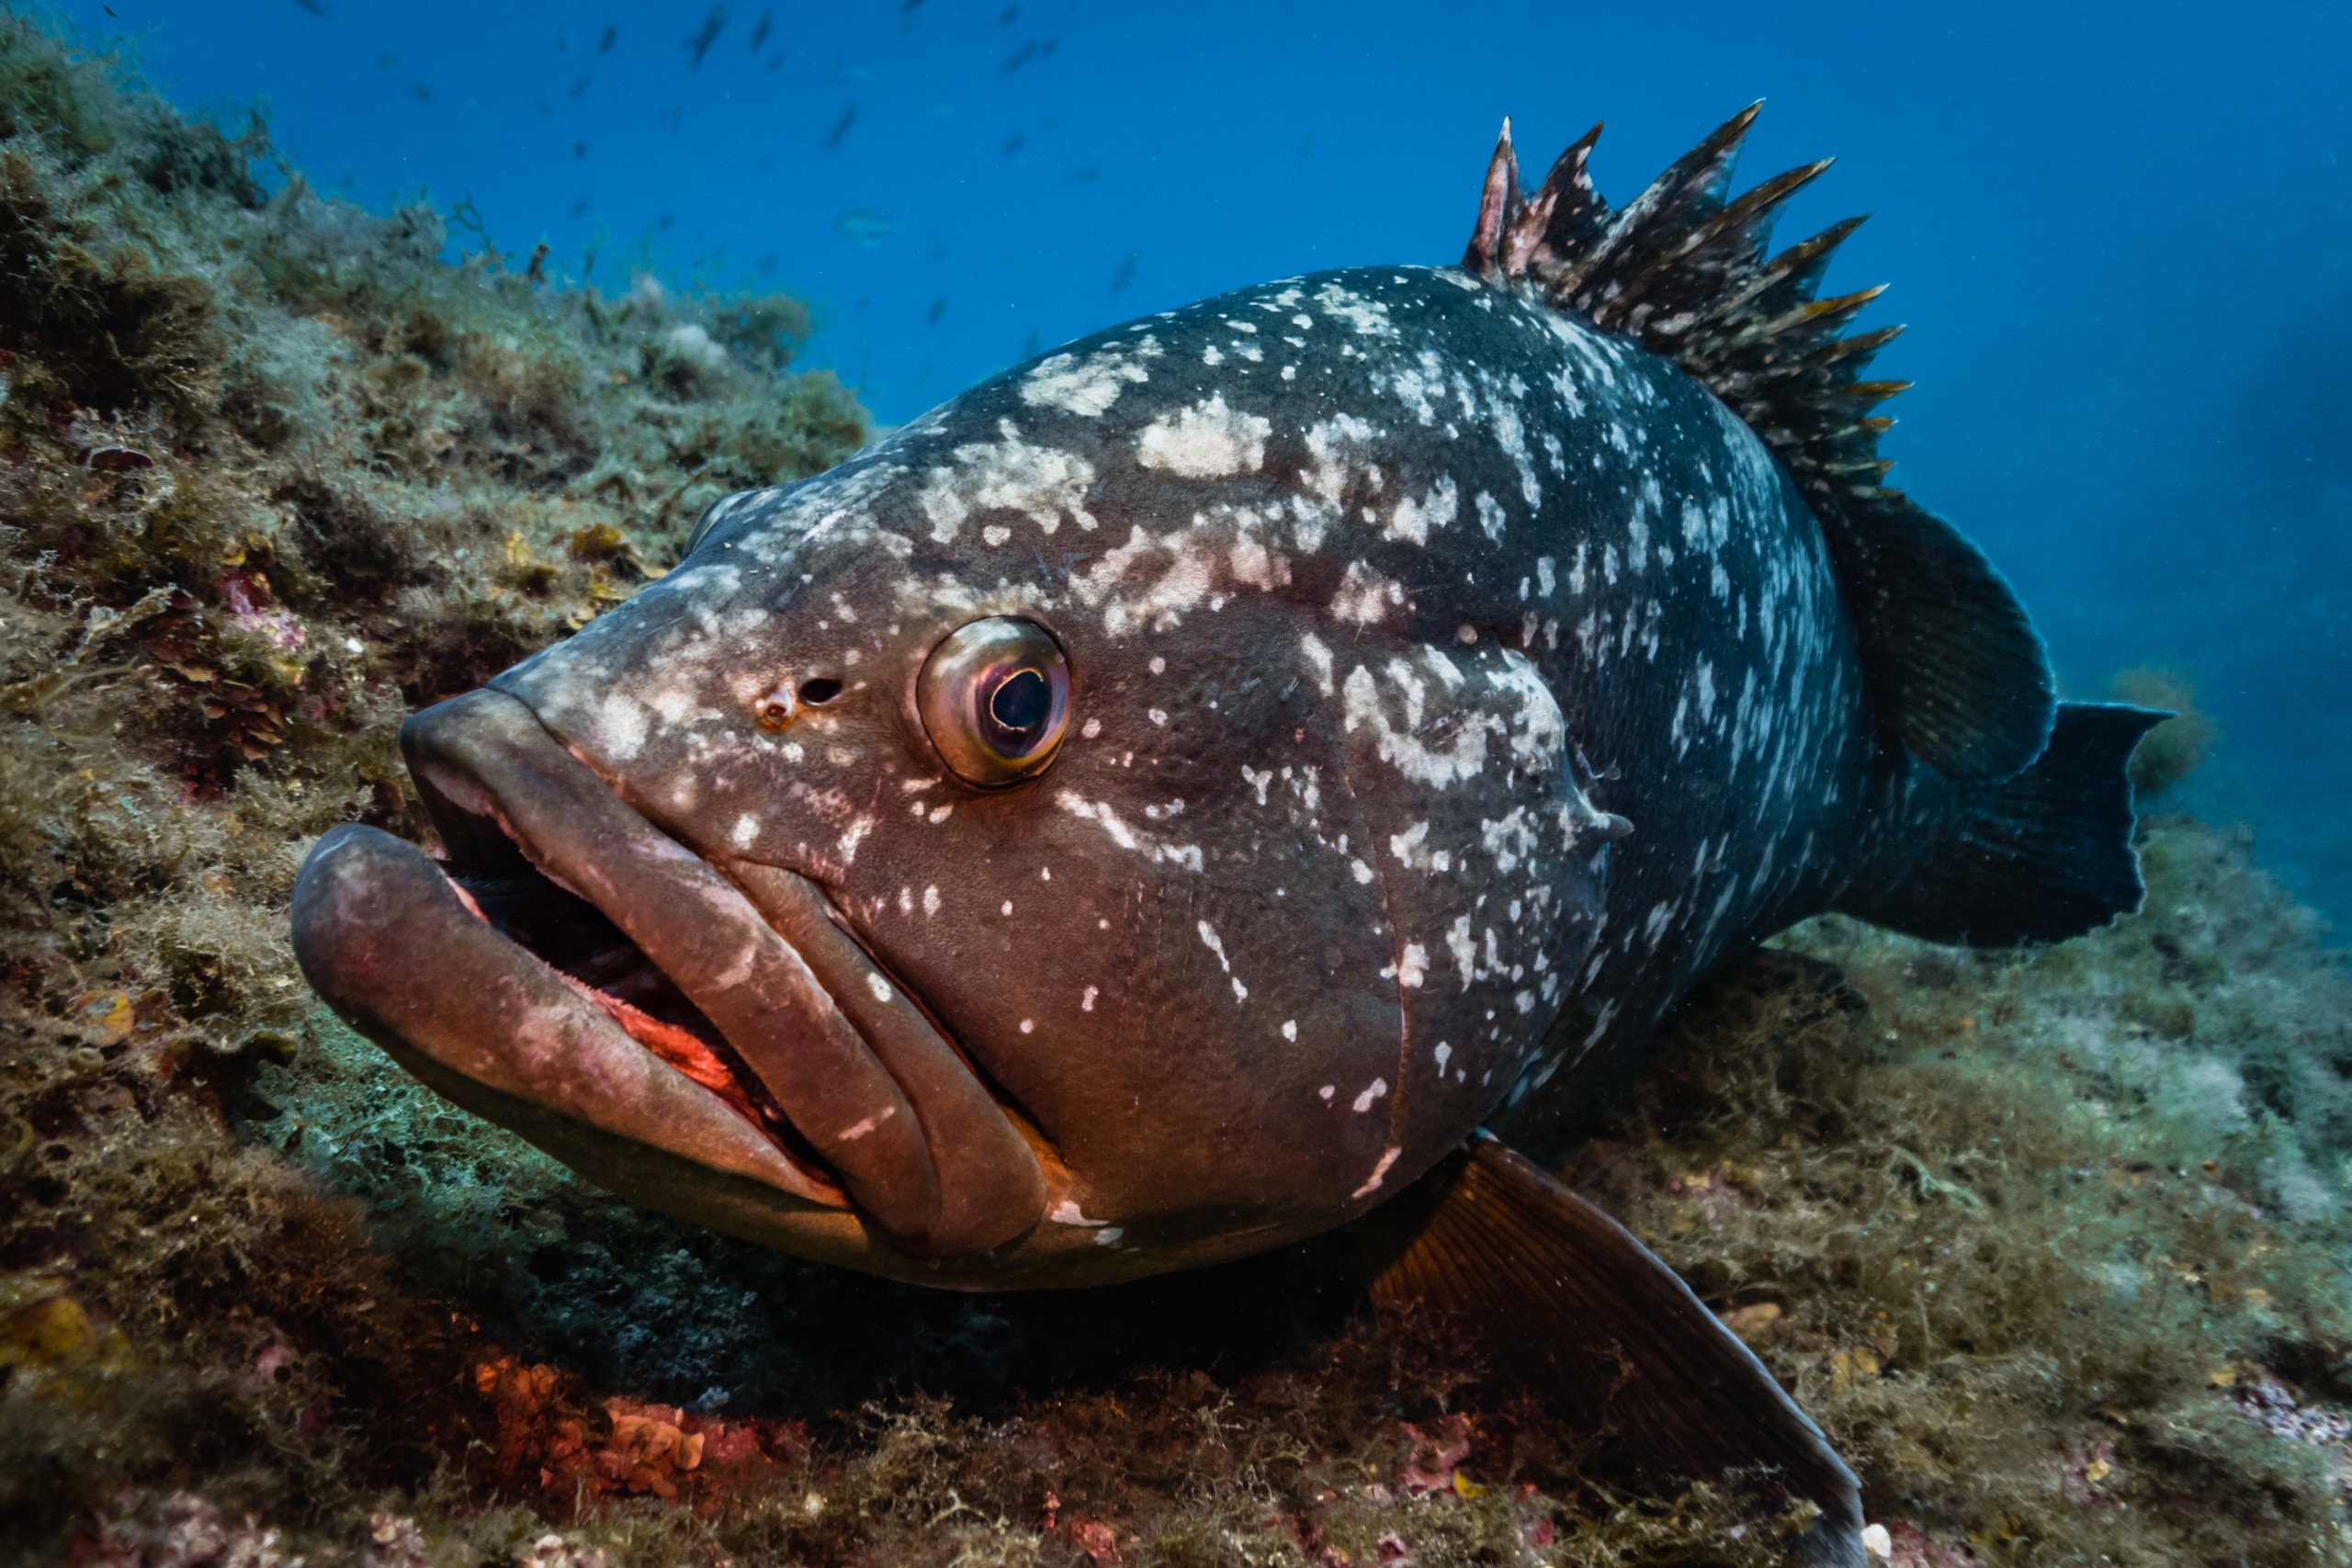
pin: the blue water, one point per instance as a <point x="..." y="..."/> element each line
<point x="2118" y="231"/>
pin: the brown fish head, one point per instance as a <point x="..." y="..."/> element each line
<point x="990" y="863"/>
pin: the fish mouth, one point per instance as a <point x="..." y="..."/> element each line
<point x="704" y="1037"/>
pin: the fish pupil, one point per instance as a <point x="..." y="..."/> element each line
<point x="1021" y="702"/>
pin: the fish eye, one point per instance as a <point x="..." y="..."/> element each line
<point x="995" y="698"/>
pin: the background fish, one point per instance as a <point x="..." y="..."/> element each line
<point x="1166" y="801"/>
<point x="867" y="229"/>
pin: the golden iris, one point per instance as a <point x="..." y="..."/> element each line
<point x="995" y="698"/>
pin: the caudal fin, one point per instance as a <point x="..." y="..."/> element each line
<point x="2039" y="857"/>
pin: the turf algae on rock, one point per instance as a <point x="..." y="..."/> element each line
<point x="272" y="471"/>
<point x="2053" y="1242"/>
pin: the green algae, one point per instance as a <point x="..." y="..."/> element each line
<point x="2051" y="1243"/>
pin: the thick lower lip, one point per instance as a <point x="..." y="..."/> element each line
<point x="727" y="1022"/>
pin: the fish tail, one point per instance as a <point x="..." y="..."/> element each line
<point x="2035" y="858"/>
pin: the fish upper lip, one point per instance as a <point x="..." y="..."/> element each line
<point x="867" y="1086"/>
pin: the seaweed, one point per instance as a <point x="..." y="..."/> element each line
<point x="2021" y="1230"/>
<point x="2052" y="1242"/>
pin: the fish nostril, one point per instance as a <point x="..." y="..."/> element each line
<point x="779" y="708"/>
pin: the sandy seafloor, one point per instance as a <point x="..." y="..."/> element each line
<point x="2052" y="1244"/>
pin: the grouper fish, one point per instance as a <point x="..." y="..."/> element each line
<point x="1213" y="783"/>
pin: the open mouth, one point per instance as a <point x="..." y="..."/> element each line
<point x="573" y="937"/>
<point x="571" y="968"/>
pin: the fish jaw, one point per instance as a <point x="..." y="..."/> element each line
<point x="926" y="1162"/>
<point x="398" y="950"/>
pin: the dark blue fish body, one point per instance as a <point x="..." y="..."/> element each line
<point x="1503" y="550"/>
<point x="1167" y="800"/>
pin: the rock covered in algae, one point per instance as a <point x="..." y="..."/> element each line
<point x="2052" y="1243"/>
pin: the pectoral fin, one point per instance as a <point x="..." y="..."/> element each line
<point x="1556" y="1295"/>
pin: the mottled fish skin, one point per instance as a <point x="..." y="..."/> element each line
<point x="1383" y="591"/>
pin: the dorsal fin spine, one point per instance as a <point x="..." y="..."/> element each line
<point x="1870" y="394"/>
<point x="1569" y="220"/>
<point x="1497" y="207"/>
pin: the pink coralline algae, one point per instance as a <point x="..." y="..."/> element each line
<point x="247" y="597"/>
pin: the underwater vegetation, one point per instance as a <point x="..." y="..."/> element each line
<point x="2052" y="1243"/>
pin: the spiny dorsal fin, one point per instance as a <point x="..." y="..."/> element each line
<point x="1687" y="271"/>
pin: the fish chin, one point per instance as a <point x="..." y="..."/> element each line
<point x="719" y="1050"/>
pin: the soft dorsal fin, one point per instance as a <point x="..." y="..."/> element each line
<point x="1560" y="1297"/>
<point x="1687" y="271"/>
